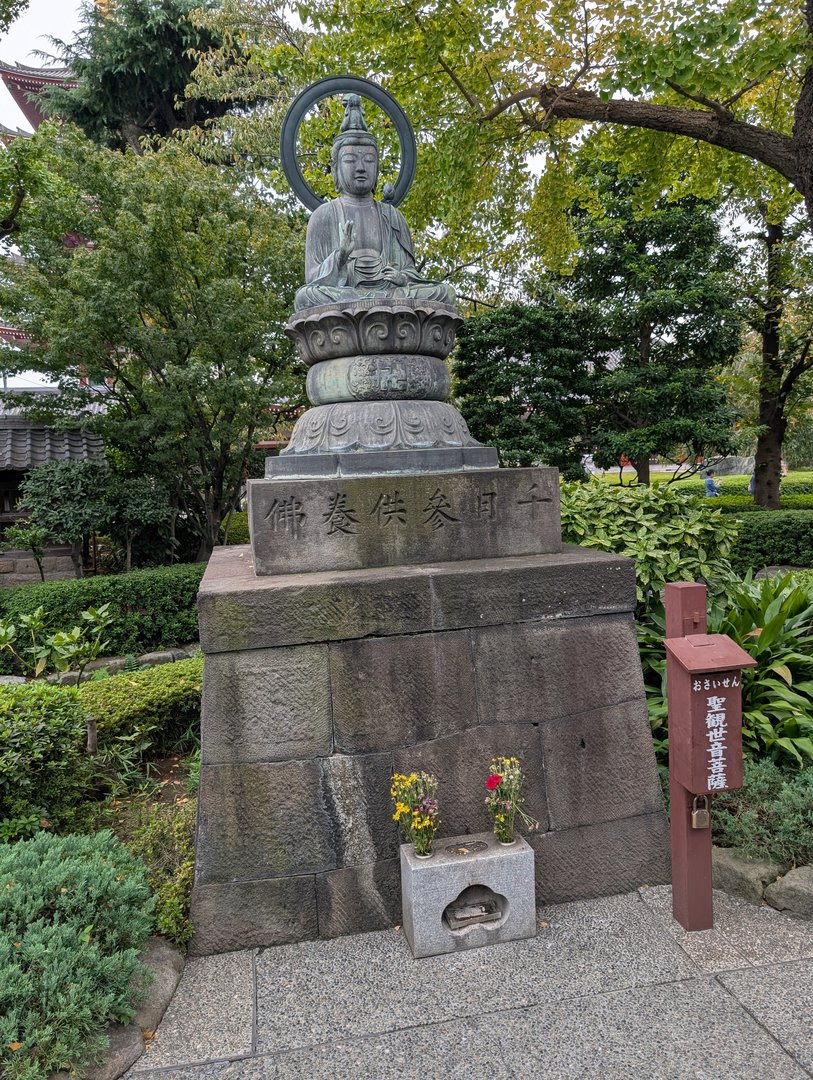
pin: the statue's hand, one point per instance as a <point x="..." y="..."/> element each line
<point x="395" y="276"/>
<point x="346" y="242"/>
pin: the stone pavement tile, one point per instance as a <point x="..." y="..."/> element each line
<point x="689" y="1030"/>
<point x="213" y="1070"/>
<point x="743" y="935"/>
<point x="210" y="1016"/>
<point x="319" y="991"/>
<point x="781" y="998"/>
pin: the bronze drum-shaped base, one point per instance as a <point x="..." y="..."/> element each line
<point x="384" y="377"/>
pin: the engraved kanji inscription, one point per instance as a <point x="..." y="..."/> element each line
<point x="339" y="516"/>
<point x="389" y="508"/>
<point x="437" y="511"/>
<point x="486" y="505"/>
<point x="533" y="498"/>
<point x="287" y="515"/>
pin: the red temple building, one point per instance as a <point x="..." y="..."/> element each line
<point x="25" y="84"/>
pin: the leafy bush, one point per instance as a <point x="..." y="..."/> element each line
<point x="744" y="504"/>
<point x="160" y="705"/>
<point x="671" y="537"/>
<point x="151" y="609"/>
<point x="238" y="529"/>
<point x="75" y="912"/>
<point x="164" y="839"/>
<point x="771" y="619"/>
<point x="779" y="538"/>
<point x="771" y="816"/>
<point x="45" y="774"/>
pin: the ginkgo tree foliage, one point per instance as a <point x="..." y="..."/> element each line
<point x="500" y="94"/>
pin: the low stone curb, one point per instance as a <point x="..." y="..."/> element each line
<point x="127" y="1042"/>
<point x="758" y="880"/>
<point x="115" y="664"/>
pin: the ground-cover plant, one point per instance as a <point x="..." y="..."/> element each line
<point x="75" y="912"/>
<point x="771" y="816"/>
<point x="150" y="609"/>
<point x="670" y="537"/>
<point x="772" y="619"/>
<point x="45" y="774"/>
<point x="163" y="838"/>
<point x="159" y="707"/>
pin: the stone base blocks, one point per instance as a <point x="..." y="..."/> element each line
<point x="319" y="685"/>
<point x="471" y="891"/>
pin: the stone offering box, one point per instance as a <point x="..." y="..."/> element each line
<point x="472" y="891"/>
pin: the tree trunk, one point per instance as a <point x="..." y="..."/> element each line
<point x="803" y="127"/>
<point x="76" y="558"/>
<point x="772" y="421"/>
<point x="128" y="562"/>
<point x="642" y="468"/>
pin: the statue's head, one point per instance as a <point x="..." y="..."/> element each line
<point x="354" y="155"/>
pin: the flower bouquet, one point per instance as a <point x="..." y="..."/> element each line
<point x="503" y="801"/>
<point x="416" y="809"/>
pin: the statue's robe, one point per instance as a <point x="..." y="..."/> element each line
<point x="381" y="242"/>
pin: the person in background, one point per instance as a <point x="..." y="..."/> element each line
<point x="712" y="485"/>
<point x="752" y="483"/>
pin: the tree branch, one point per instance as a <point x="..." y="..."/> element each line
<point x="763" y="144"/>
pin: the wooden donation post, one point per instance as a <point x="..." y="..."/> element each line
<point x="704" y="676"/>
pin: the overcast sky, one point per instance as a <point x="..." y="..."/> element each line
<point x="43" y="19"/>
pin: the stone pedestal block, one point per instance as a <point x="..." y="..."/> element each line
<point x="471" y="891"/>
<point x="319" y="685"/>
<point x="349" y="523"/>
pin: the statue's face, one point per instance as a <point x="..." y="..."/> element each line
<point x="357" y="169"/>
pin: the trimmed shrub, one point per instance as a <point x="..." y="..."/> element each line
<point x="799" y="483"/>
<point x="744" y="504"/>
<point x="151" y="609"/>
<point x="238" y="529"/>
<point x="161" y="704"/>
<point x="778" y="538"/>
<point x="670" y="537"/>
<point x="771" y="816"/>
<point x="45" y="775"/>
<point x="75" y="912"/>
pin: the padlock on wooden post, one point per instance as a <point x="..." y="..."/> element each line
<point x="701" y="818"/>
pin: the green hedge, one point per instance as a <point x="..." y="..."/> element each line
<point x="75" y="912"/>
<point x="238" y="529"/>
<point x="744" y="504"/>
<point x="152" y="609"/>
<point x="45" y="774"/>
<point x="779" y="538"/>
<point x="798" y="483"/>
<point x="161" y="704"/>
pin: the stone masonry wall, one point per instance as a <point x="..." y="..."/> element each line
<point x="317" y="686"/>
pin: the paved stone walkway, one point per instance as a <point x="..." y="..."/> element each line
<point x="609" y="989"/>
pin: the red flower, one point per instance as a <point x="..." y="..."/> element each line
<point x="493" y="781"/>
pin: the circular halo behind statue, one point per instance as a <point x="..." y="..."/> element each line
<point x="344" y="84"/>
